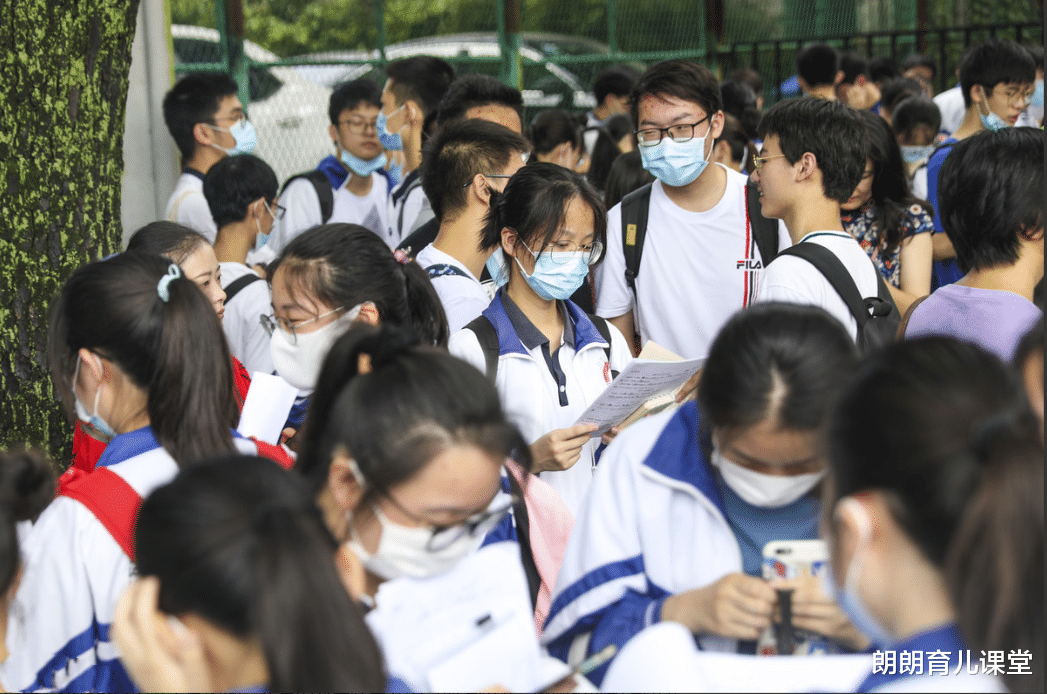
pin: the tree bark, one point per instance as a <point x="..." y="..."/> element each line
<point x="64" y="68"/>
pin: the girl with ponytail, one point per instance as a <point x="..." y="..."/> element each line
<point x="137" y="352"/>
<point x="236" y="556"/>
<point x="935" y="519"/>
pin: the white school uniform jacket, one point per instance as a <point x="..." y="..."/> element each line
<point x="74" y="574"/>
<point x="188" y="206"/>
<point x="529" y="394"/>
<point x="652" y="526"/>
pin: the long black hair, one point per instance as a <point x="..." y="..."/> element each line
<point x="414" y="402"/>
<point x="890" y="188"/>
<point x="347" y="264"/>
<point x="241" y="543"/>
<point x="175" y="350"/>
<point x="27" y="486"/>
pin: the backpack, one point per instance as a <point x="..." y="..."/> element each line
<point x="487" y="336"/>
<point x="877" y="316"/>
<point x="636" y="205"/>
<point x="322" y="185"/>
<point x="234" y="288"/>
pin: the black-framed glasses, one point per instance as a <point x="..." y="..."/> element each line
<point x="443" y="536"/>
<point x="681" y="132"/>
<point x="359" y="125"/>
<point x="277" y="212"/>
<point x="271" y="323"/>
<point x="485" y="175"/>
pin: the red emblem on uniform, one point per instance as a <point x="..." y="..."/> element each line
<point x="607" y="371"/>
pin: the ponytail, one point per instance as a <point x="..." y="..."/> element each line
<point x="240" y="542"/>
<point x="27" y="486"/>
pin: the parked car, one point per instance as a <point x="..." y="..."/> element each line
<point x="288" y="110"/>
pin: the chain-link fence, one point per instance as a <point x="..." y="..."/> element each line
<point x="294" y="52"/>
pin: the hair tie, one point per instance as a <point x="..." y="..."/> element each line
<point x="401" y="256"/>
<point x="173" y="273"/>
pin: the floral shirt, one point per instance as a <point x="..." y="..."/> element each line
<point x="864" y="226"/>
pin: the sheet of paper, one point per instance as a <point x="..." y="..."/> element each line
<point x="664" y="658"/>
<point x="464" y="630"/>
<point x="638" y="382"/>
<point x="268" y="402"/>
<point x="654" y="351"/>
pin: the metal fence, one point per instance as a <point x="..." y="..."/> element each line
<point x="549" y="49"/>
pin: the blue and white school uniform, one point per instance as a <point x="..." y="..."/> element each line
<point x="542" y="392"/>
<point x="655" y="524"/>
<point x="74" y="574"/>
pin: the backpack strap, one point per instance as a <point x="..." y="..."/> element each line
<point x="234" y="288"/>
<point x="444" y="270"/>
<point x="324" y="192"/>
<point x="635" y="207"/>
<point x="402" y="196"/>
<point x="826" y="262"/>
<point x="904" y="325"/>
<point x="487" y="336"/>
<point x="605" y="333"/>
<point x="765" y="229"/>
<point x="523" y="537"/>
<point x="113" y="502"/>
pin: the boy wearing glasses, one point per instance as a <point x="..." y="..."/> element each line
<point x="700" y="260"/>
<point x="241" y="193"/>
<point x="996" y="80"/>
<point x="814" y="153"/>
<point x="355" y="172"/>
<point x="208" y="122"/>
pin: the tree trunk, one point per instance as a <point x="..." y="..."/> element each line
<point x="64" y="67"/>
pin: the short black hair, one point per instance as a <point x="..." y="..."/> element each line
<point x="172" y="240"/>
<point x="232" y="184"/>
<point x="853" y="65"/>
<point x="1036" y="51"/>
<point x="882" y="68"/>
<point x="916" y="60"/>
<point x="457" y="152"/>
<point x="833" y="132"/>
<point x="551" y="128"/>
<point x="423" y="79"/>
<point x="681" y="78"/>
<point x="993" y="62"/>
<point x="748" y="76"/>
<point x="349" y="95"/>
<point x="469" y="91"/>
<point x="894" y="90"/>
<point x="194" y="99"/>
<point x="991" y="193"/>
<point x="739" y="100"/>
<point x="817" y="64"/>
<point x="617" y="80"/>
<point x="914" y="111"/>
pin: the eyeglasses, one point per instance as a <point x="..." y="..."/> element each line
<point x="443" y="536"/>
<point x="276" y="211"/>
<point x="1019" y="97"/>
<point x="240" y="118"/>
<point x="485" y="175"/>
<point x="681" y="132"/>
<point x="270" y="323"/>
<point x="359" y="125"/>
<point x="560" y="251"/>
<point x="759" y="161"/>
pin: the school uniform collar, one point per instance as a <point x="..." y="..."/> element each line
<point x="530" y="336"/>
<point x="945" y="638"/>
<point x="404" y="186"/>
<point x="679" y="453"/>
<point x="193" y="172"/>
<point x="126" y="446"/>
<point x="509" y="341"/>
<point x="331" y="166"/>
<point x="815" y="234"/>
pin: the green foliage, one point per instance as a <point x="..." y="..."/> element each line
<point x="61" y="161"/>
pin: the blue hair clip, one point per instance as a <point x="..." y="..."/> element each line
<point x="173" y="273"/>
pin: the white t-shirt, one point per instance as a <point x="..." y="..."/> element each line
<point x="248" y="340"/>
<point x="795" y="281"/>
<point x="303" y="209"/>
<point x="463" y="297"/>
<point x="696" y="270"/>
<point x="188" y="206"/>
<point x="950" y="103"/>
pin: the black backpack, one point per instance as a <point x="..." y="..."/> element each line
<point x="636" y="205"/>
<point x="323" y="191"/>
<point x="877" y="316"/>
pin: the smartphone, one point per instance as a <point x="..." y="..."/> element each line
<point x="792" y="559"/>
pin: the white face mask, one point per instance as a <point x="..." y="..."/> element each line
<point x="404" y="552"/>
<point x="298" y="361"/>
<point x="759" y="489"/>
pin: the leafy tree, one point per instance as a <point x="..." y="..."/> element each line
<point x="65" y="67"/>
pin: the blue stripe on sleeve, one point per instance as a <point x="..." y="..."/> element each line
<point x="595" y="578"/>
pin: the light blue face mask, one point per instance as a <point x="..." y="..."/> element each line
<point x="1037" y="95"/>
<point x="992" y="122"/>
<point x="362" y="167"/>
<point x="391" y="141"/>
<point x="497" y="267"/>
<point x="913" y="154"/>
<point x="396" y="173"/>
<point x="244" y="135"/>
<point x="675" y="163"/>
<point x="559" y="278"/>
<point x="848" y="599"/>
<point x="105" y="432"/>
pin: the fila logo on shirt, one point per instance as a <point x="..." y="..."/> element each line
<point x="748" y="265"/>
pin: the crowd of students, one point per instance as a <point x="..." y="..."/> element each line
<point x="448" y="293"/>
